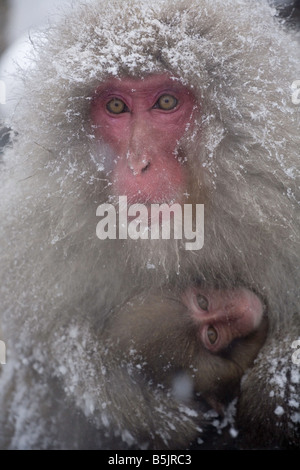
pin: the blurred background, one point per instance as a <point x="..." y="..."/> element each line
<point x="20" y="18"/>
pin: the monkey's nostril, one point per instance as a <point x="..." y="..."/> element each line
<point x="138" y="168"/>
<point x="145" y="167"/>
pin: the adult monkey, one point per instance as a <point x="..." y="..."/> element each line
<point x="63" y="289"/>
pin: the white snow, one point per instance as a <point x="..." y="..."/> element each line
<point x="279" y="411"/>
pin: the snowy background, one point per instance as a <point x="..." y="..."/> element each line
<point x="27" y="14"/>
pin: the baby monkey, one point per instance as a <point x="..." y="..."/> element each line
<point x="197" y="345"/>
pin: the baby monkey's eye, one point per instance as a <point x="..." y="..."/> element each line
<point x="212" y="334"/>
<point x="202" y="301"/>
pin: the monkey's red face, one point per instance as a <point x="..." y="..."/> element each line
<point x="223" y="315"/>
<point x="142" y="120"/>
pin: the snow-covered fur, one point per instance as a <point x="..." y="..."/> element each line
<point x="60" y="283"/>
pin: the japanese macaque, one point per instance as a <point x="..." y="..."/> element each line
<point x="137" y="342"/>
<point x="207" y="339"/>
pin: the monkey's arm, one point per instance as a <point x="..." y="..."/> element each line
<point x="269" y="406"/>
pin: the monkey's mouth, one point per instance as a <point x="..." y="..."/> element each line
<point x="148" y="198"/>
<point x="148" y="212"/>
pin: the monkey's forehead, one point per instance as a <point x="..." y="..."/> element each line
<point x="194" y="39"/>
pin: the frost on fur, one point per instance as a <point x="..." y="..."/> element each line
<point x="60" y="285"/>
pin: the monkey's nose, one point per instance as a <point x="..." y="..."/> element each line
<point x="138" y="168"/>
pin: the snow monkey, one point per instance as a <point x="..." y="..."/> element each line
<point x="116" y="339"/>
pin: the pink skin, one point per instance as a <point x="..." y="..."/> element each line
<point x="144" y="138"/>
<point x="231" y="313"/>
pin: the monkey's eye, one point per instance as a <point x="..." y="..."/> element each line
<point x="202" y="302"/>
<point x="212" y="334"/>
<point x="166" y="102"/>
<point x="116" y="106"/>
